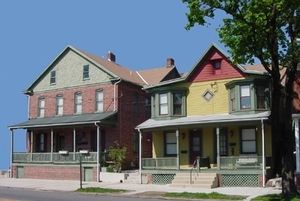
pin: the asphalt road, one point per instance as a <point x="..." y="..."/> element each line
<point x="15" y="194"/>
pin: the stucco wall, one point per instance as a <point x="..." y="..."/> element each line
<point x="69" y="73"/>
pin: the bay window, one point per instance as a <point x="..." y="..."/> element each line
<point x="163" y="104"/>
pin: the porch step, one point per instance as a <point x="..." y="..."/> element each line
<point x="200" y="180"/>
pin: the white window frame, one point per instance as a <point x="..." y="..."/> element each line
<point x="78" y="103"/>
<point x="245" y="93"/>
<point x="59" y="105"/>
<point x="99" y="100"/>
<point x="41" y="107"/>
<point x="163" y="104"/>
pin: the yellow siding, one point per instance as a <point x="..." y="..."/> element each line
<point x="197" y="105"/>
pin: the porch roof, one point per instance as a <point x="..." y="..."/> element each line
<point x="68" y="120"/>
<point x="216" y="119"/>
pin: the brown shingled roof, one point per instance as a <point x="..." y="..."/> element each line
<point x="118" y="70"/>
<point x="155" y="75"/>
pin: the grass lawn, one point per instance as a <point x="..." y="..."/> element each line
<point x="212" y="195"/>
<point x="100" y="190"/>
<point x="276" y="197"/>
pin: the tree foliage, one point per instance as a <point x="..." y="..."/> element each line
<point x="117" y="155"/>
<point x="266" y="30"/>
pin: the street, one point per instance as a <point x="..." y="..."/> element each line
<point x="15" y="194"/>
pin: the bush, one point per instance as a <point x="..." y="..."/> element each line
<point x="117" y="155"/>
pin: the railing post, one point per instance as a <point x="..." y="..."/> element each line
<point x="198" y="164"/>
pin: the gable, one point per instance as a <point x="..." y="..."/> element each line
<point x="69" y="73"/>
<point x="205" y="69"/>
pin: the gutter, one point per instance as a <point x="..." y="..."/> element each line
<point x="115" y="84"/>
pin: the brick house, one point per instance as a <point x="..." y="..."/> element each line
<point x="79" y="106"/>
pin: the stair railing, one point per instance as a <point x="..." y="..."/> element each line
<point x="196" y="164"/>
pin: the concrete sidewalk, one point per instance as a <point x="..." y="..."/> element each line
<point x="135" y="189"/>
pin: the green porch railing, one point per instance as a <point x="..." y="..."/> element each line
<point x="23" y="157"/>
<point x="246" y="162"/>
<point x="159" y="163"/>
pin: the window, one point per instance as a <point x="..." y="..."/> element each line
<point x="170" y="144"/>
<point x="61" y="142"/>
<point x="261" y="99"/>
<point x="232" y="99"/>
<point x="248" y="95"/>
<point x="177" y="104"/>
<point x="53" y="77"/>
<point x="41" y="109"/>
<point x="136" y="142"/>
<point x="163" y="104"/>
<point x="217" y="64"/>
<point x="99" y="100"/>
<point x="59" y="105"/>
<point x="148" y="106"/>
<point x="41" y="146"/>
<point x="248" y="141"/>
<point x="245" y="97"/>
<point x="208" y="95"/>
<point x="78" y="102"/>
<point x="223" y="142"/>
<point x="86" y="73"/>
<point x="135" y="103"/>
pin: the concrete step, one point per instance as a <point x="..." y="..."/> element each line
<point x="198" y="180"/>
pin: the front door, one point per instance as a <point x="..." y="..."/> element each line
<point x="195" y="144"/>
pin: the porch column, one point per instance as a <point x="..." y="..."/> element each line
<point x="218" y="147"/>
<point x="296" y="121"/>
<point x="31" y="144"/>
<point x="140" y="155"/>
<point x="98" y="153"/>
<point x="263" y="150"/>
<point x="74" y="143"/>
<point x="51" y="156"/>
<point x="177" y="142"/>
<point x="11" y="151"/>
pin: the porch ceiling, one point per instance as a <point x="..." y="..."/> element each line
<point x="105" y="118"/>
<point x="203" y="120"/>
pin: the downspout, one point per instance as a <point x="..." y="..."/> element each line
<point x="98" y="154"/>
<point x="296" y="122"/>
<point x="115" y="85"/>
<point x="218" y="148"/>
<point x="263" y="151"/>
<point x="11" y="152"/>
<point x="140" y="155"/>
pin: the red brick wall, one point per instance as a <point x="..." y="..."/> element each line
<point x="88" y="100"/>
<point x="122" y="132"/>
<point x="59" y="172"/>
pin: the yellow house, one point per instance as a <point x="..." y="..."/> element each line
<point x="210" y="127"/>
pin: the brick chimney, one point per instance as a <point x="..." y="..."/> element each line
<point x="170" y="62"/>
<point x="111" y="56"/>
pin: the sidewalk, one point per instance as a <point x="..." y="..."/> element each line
<point x="135" y="189"/>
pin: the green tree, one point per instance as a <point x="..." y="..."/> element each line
<point x="117" y="155"/>
<point x="266" y="30"/>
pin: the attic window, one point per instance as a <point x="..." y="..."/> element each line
<point x="86" y="73"/>
<point x="217" y="64"/>
<point x="53" y="77"/>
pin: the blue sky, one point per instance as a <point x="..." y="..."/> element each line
<point x="142" y="35"/>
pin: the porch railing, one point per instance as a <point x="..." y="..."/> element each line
<point x="243" y="162"/>
<point x="159" y="163"/>
<point x="24" y="157"/>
